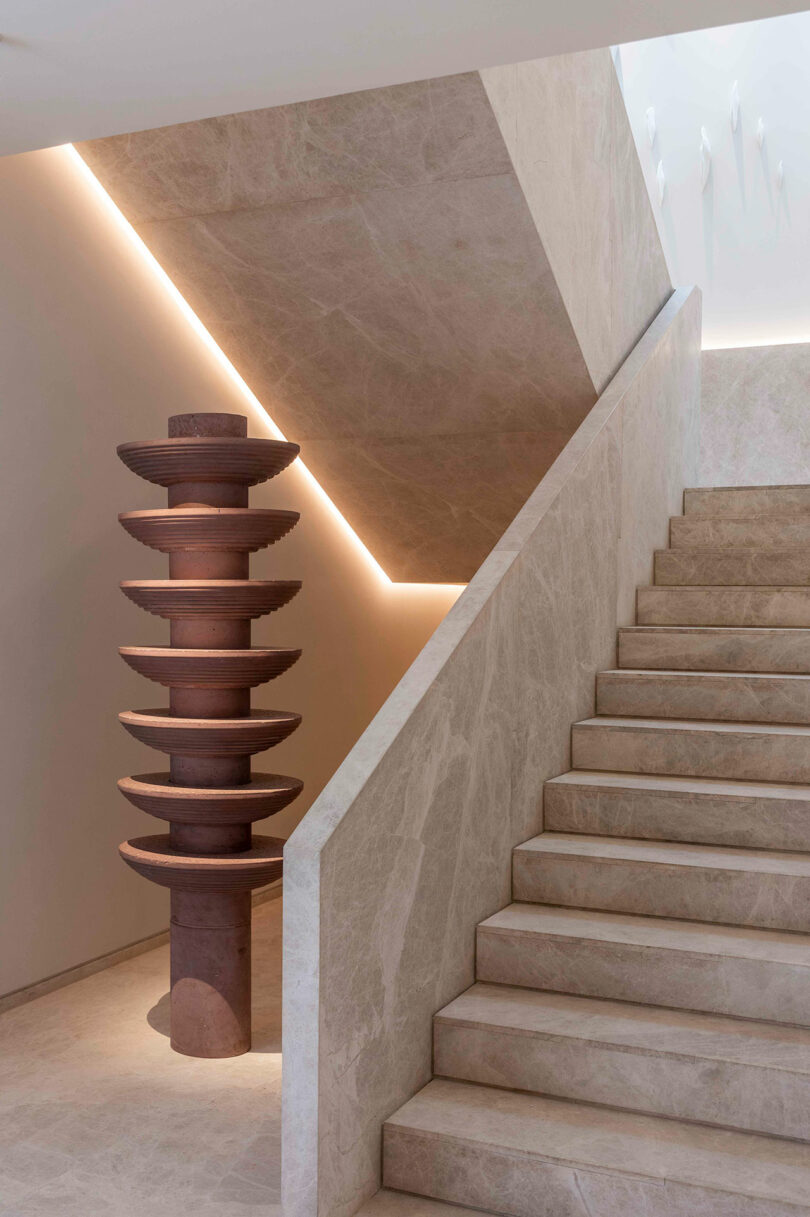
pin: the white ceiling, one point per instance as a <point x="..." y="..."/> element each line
<point x="78" y="69"/>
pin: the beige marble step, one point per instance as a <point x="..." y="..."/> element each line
<point x="740" y="501"/>
<point x="775" y="607"/>
<point x="762" y="888"/>
<point x="772" y="567"/>
<point x="707" y="811"/>
<point x="731" y="1072"/>
<point x="402" y="1204"/>
<point x="529" y="1156"/>
<point x="737" y="696"/>
<point x="714" y="648"/>
<point x="757" y="752"/>
<point x="715" y="532"/>
<point x="686" y="965"/>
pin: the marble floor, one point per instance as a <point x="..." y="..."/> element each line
<point x="99" y="1116"/>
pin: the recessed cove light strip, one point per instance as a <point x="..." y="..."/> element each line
<point x="740" y="343"/>
<point x="104" y="199"/>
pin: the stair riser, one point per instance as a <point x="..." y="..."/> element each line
<point x="746" y="502"/>
<point x="690" y="532"/>
<point x="768" y="758"/>
<point x="524" y="1185"/>
<point x="758" y="568"/>
<point x="721" y="651"/>
<point x="775" y="902"/>
<point x="654" y="976"/>
<point x="757" y="699"/>
<point x="755" y="823"/>
<point x="780" y="608"/>
<point x="725" y="1093"/>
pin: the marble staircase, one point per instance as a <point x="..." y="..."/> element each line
<point x="638" y="1036"/>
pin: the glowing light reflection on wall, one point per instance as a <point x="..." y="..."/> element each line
<point x="101" y="196"/>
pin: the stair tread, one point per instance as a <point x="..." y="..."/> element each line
<point x="648" y="1029"/>
<point x="560" y="1131"/>
<point x="669" y="853"/>
<point x="724" y="551"/>
<point x="750" y="589"/>
<point x="406" y="1204"/>
<point x="720" y="787"/>
<point x="700" y="674"/>
<point x="705" y="694"/>
<point x="697" y="937"/>
<point x="715" y="602"/>
<point x="748" y="631"/>
<point x="748" y="487"/>
<point x="693" y="724"/>
<point x="698" y="516"/>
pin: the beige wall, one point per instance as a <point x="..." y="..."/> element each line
<point x="371" y="266"/>
<point x="566" y="127"/>
<point x="93" y="352"/>
<point x="755" y="427"/>
<point x="409" y="846"/>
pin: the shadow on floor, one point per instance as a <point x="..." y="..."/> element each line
<point x="266" y="1024"/>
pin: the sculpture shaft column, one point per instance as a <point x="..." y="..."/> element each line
<point x="210" y="931"/>
<point x="210" y="973"/>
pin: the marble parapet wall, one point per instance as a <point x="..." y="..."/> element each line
<point x="409" y="846"/>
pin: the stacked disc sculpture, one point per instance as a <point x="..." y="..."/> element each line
<point x="210" y="859"/>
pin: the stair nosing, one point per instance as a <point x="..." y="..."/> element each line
<point x="712" y="629"/>
<point x="723" y="726"/>
<point x="701" y="674"/>
<point x="638" y="921"/>
<point x="728" y="587"/>
<point x="701" y="516"/>
<point x="628" y="1123"/>
<point x="660" y="783"/>
<point x="725" y="550"/>
<point x="719" y="1023"/>
<point x="758" y="486"/>
<point x="531" y="847"/>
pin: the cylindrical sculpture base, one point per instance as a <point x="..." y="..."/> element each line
<point x="210" y="973"/>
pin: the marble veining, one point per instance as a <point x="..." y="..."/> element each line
<point x="666" y="1062"/>
<point x="544" y="1138"/>
<point x="735" y="887"/>
<point x="751" y="751"/>
<point x="398" y="1204"/>
<point x="759" y="815"/>
<point x="99" y="1118"/>
<point x="713" y="532"/>
<point x="773" y="566"/>
<point x="525" y="1013"/>
<point x="370" y="265"/>
<point x="757" y="502"/>
<point x="715" y="648"/>
<point x="734" y="696"/>
<point x="378" y="139"/>
<point x="757" y="392"/>
<point x="653" y="970"/>
<point x="780" y="607"/>
<point x="391" y="272"/>
<point x="595" y="203"/>
<point x="409" y="846"/>
<point x="745" y="972"/>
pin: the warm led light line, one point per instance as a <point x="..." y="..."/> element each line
<point x="737" y="344"/>
<point x="225" y="364"/>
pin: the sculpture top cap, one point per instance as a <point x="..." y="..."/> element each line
<point x="211" y="425"/>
